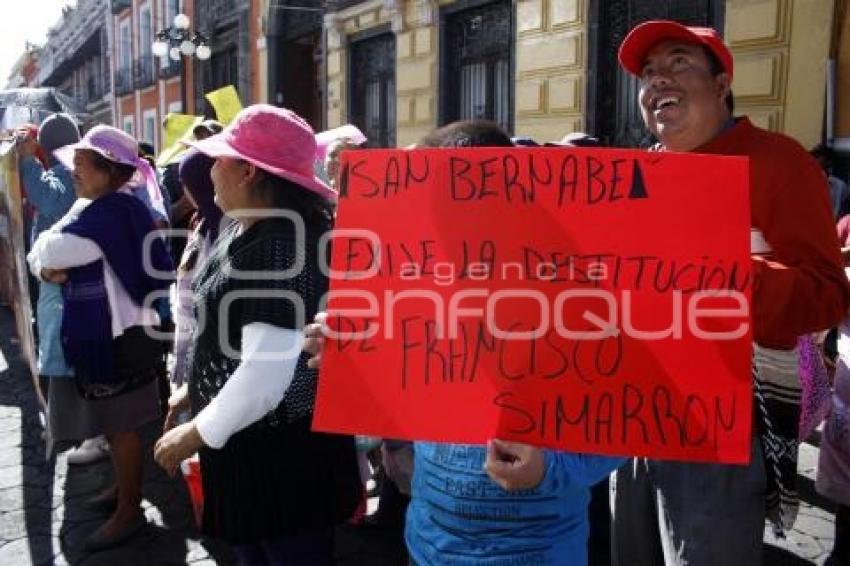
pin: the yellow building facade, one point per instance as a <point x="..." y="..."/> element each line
<point x="781" y="50"/>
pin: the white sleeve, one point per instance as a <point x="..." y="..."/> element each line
<point x="269" y="357"/>
<point x="60" y="250"/>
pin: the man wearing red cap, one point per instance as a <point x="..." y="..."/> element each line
<point x="714" y="514"/>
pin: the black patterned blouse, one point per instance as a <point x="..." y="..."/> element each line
<point x="275" y="475"/>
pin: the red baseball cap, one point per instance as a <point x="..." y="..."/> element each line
<point x="645" y="36"/>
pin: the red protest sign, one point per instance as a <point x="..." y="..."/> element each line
<point x="589" y="300"/>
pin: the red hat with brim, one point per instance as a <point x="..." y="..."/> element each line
<point x="647" y="35"/>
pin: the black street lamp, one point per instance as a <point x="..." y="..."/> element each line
<point x="178" y="41"/>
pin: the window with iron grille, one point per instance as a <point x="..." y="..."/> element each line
<point x="613" y="113"/>
<point x="125" y="46"/>
<point x="104" y="70"/>
<point x="145" y="30"/>
<point x="228" y="25"/>
<point x="168" y="67"/>
<point x="124" y="71"/>
<point x="477" y="62"/>
<point x="145" y="65"/>
<point x="144" y="72"/>
<point x="119" y="6"/>
<point x="168" y="9"/>
<point x="124" y="81"/>
<point x="93" y="90"/>
<point x="225" y="68"/>
<point x="149" y="126"/>
<point x="373" y="93"/>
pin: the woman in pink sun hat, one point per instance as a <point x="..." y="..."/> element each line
<point x="272" y="488"/>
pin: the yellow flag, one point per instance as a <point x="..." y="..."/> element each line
<point x="176" y="127"/>
<point x="226" y="103"/>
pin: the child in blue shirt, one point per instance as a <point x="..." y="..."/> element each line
<point x="458" y="515"/>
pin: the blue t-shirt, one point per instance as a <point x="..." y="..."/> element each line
<point x="50" y="192"/>
<point x="459" y="516"/>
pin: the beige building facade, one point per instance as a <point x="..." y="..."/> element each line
<point x="782" y="51"/>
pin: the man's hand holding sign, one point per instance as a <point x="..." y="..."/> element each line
<point x="543" y="296"/>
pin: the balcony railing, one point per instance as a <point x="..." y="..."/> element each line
<point x="95" y="89"/>
<point x="123" y="81"/>
<point x="119" y="6"/>
<point x="172" y="70"/>
<point x="143" y="72"/>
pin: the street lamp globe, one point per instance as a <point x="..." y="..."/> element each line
<point x="203" y="52"/>
<point x="174" y="53"/>
<point x="160" y="48"/>
<point x="181" y="21"/>
<point x="187" y="48"/>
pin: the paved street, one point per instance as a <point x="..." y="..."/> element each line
<point x="42" y="523"/>
<point x="811" y="540"/>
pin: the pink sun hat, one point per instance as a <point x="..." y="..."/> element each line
<point x="119" y="147"/>
<point x="113" y="144"/>
<point x="326" y="138"/>
<point x="274" y="139"/>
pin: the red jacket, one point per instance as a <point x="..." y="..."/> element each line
<point x="802" y="287"/>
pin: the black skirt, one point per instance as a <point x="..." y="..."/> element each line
<point x="270" y="480"/>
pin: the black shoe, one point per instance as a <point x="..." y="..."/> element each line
<point x="98" y="541"/>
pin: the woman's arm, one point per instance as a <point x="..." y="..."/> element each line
<point x="269" y="357"/>
<point x="60" y="250"/>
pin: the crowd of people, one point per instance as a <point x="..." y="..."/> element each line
<point x="239" y="390"/>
